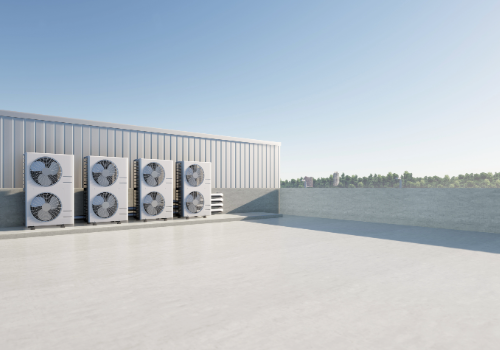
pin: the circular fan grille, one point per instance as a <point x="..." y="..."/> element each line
<point x="45" y="207"/>
<point x="195" y="175"/>
<point x="45" y="171"/>
<point x="104" y="205"/>
<point x="154" y="203"/>
<point x="105" y="173"/>
<point x="154" y="174"/>
<point x="195" y="202"/>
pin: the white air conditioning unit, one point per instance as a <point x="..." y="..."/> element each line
<point x="155" y="189"/>
<point x="49" y="189"/>
<point x="106" y="189"/>
<point x="196" y="189"/>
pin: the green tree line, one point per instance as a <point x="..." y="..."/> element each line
<point x="482" y="180"/>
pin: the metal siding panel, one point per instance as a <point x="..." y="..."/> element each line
<point x="180" y="155"/>
<point x="40" y="137"/>
<point x="224" y="167"/>
<point x="154" y="146"/>
<point x="8" y="153"/>
<point x="185" y="149"/>
<point x="86" y="141"/>
<point x="140" y="145"/>
<point x="173" y="148"/>
<point x="271" y="162"/>
<point x="277" y="180"/>
<point x="29" y="132"/>
<point x="94" y="141"/>
<point x="110" y="142"/>
<point x="103" y="142"/>
<point x="244" y="165"/>
<point x="2" y="141"/>
<point x="134" y="137"/>
<point x="197" y="150"/>
<point x="78" y="154"/>
<point x="59" y="138"/>
<point x="147" y="145"/>
<point x="250" y="165"/>
<point x="232" y="146"/>
<point x="161" y="146"/>
<point x="126" y="154"/>
<point x="118" y="143"/>
<point x="50" y="138"/>
<point x="257" y="166"/>
<point x="18" y="152"/>
<point x="218" y="153"/>
<point x="212" y="160"/>
<point x="268" y="166"/>
<point x="237" y="173"/>
<point x="167" y="147"/>
<point x="202" y="150"/>
<point x="68" y="138"/>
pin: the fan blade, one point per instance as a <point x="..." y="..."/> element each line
<point x="98" y="200"/>
<point x="37" y="202"/>
<point x="44" y="215"/>
<point x="112" y="201"/>
<point x="148" y="170"/>
<point x="54" y="168"/>
<point x="54" y="203"/>
<point x="37" y="166"/>
<point x="103" y="181"/>
<point x="150" y="210"/>
<point x="103" y="213"/>
<point x="111" y="169"/>
<point x="189" y="172"/>
<point x="97" y="168"/>
<point x="151" y="181"/>
<point x="148" y="199"/>
<point x="44" y="180"/>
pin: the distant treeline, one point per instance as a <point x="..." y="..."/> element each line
<point x="483" y="180"/>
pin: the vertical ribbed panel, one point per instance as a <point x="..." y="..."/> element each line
<point x="234" y="164"/>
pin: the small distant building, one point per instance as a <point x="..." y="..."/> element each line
<point x="336" y="179"/>
<point x="308" y="181"/>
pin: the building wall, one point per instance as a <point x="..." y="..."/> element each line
<point x="458" y="209"/>
<point x="236" y="163"/>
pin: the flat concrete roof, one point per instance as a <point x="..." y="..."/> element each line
<point x="49" y="118"/>
<point x="282" y="283"/>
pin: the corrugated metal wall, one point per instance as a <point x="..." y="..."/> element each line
<point x="234" y="164"/>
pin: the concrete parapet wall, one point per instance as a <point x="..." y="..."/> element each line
<point x="458" y="209"/>
<point x="236" y="200"/>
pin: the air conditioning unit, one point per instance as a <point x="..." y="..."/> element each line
<point x="195" y="188"/>
<point x="49" y="189"/>
<point x="154" y="182"/>
<point x="106" y="181"/>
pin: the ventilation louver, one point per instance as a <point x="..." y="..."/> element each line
<point x="154" y="174"/>
<point x="104" y="205"/>
<point x="154" y="203"/>
<point x="105" y="173"/>
<point x="195" y="175"/>
<point x="45" y="207"/>
<point x="195" y="202"/>
<point x="45" y="171"/>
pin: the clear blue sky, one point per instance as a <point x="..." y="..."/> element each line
<point x="354" y="86"/>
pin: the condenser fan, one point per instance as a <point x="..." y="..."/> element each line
<point x="154" y="203"/>
<point x="195" y="175"/>
<point x="154" y="174"/>
<point x="105" y="173"/>
<point x="45" y="171"/>
<point x="45" y="207"/>
<point x="104" y="205"/>
<point x="195" y="202"/>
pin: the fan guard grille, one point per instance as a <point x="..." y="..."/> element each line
<point x="195" y="175"/>
<point x="45" y="171"/>
<point x="105" y="173"/>
<point x="154" y="203"/>
<point x="104" y="205"/>
<point x="45" y="207"/>
<point x="195" y="202"/>
<point x="154" y="174"/>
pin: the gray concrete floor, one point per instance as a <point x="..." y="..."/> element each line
<point x="285" y="283"/>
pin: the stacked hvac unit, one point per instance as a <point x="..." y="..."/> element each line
<point x="49" y="189"/>
<point x="195" y="189"/>
<point x="106" y="187"/>
<point x="154" y="180"/>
